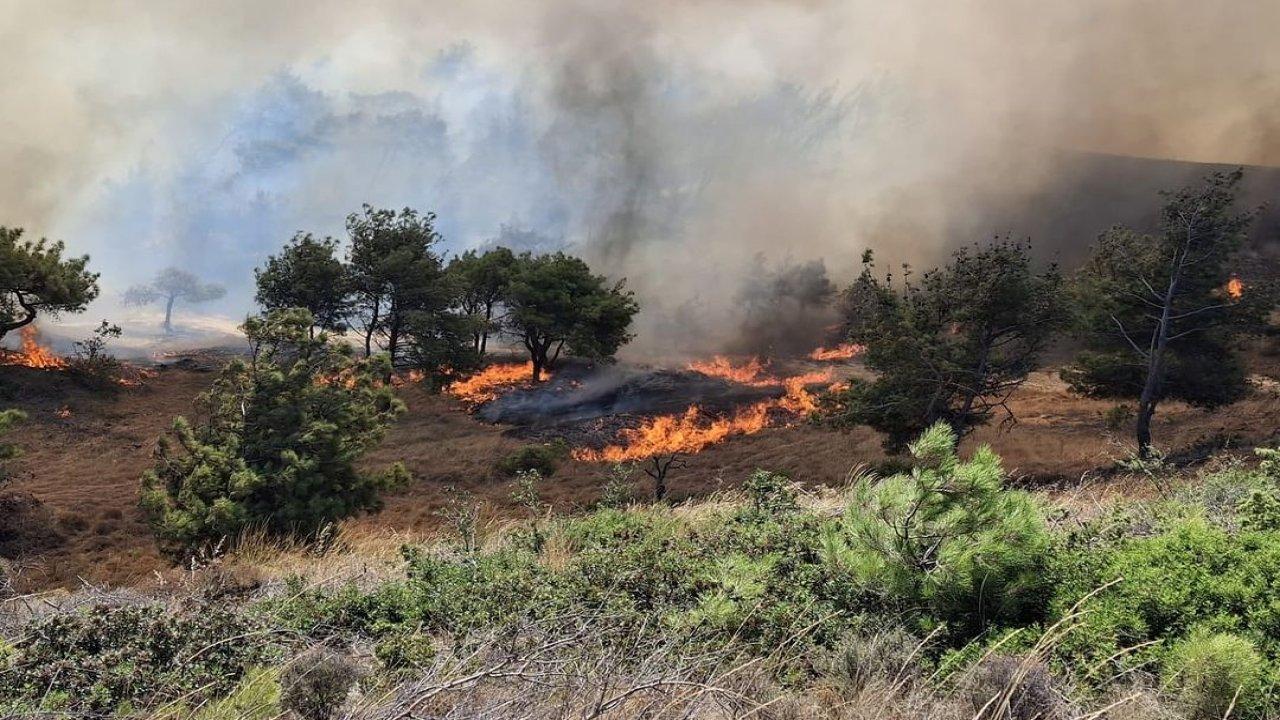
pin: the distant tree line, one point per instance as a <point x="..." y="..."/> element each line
<point x="394" y="290"/>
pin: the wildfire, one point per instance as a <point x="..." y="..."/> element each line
<point x="1235" y="288"/>
<point x="719" y="366"/>
<point x="687" y="433"/>
<point x="63" y="412"/>
<point x="845" y="351"/>
<point x="484" y="385"/>
<point x="32" y="354"/>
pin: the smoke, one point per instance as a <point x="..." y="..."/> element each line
<point x="668" y="142"/>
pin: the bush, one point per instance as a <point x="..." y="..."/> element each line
<point x="1012" y="688"/>
<point x="92" y="364"/>
<point x="1214" y="672"/>
<point x="98" y="659"/>
<point x="8" y="418"/>
<point x="947" y="535"/>
<point x="1118" y="416"/>
<point x="280" y="443"/>
<point x="541" y="458"/>
<point x="316" y="683"/>
<point x="867" y="659"/>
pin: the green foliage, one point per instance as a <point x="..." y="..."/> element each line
<point x="947" y="535"/>
<point x="1153" y="308"/>
<point x="543" y="458"/>
<point x="485" y="280"/>
<point x="951" y="347"/>
<point x="1216" y="675"/>
<point x="1164" y="578"/>
<point x="554" y="303"/>
<point x="307" y="274"/>
<point x="402" y="294"/>
<point x="36" y="279"/>
<point x="169" y="286"/>
<point x="99" y="659"/>
<point x="278" y="442"/>
<point x="257" y="697"/>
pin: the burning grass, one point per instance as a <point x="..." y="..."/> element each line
<point x="32" y="354"/>
<point x="845" y="351"/>
<point x="487" y="384"/>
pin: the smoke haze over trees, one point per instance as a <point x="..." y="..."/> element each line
<point x="631" y="133"/>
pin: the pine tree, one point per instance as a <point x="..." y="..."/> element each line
<point x="277" y="442"/>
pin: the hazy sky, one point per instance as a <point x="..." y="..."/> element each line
<point x="667" y="141"/>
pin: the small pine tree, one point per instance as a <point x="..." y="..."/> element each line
<point x="278" y="442"/>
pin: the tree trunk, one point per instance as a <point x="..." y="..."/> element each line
<point x="369" y="329"/>
<point x="30" y="310"/>
<point x="168" y="314"/>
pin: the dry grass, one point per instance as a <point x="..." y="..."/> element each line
<point x="85" y="468"/>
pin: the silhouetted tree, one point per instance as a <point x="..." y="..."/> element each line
<point x="35" y="278"/>
<point x="278" y="443"/>
<point x="951" y="347"/>
<point x="169" y="286"/>
<point x="554" y="303"/>
<point x="1156" y="311"/>
<point x="484" y="280"/>
<point x="307" y="274"/>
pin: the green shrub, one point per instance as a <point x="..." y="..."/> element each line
<point x="1118" y="416"/>
<point x="543" y="459"/>
<point x="280" y="444"/>
<point x="949" y="536"/>
<point x="1214" y="672"/>
<point x="96" y="660"/>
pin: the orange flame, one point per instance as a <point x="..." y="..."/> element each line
<point x="722" y="367"/>
<point x="688" y="433"/>
<point x="844" y="351"/>
<point x="32" y="354"/>
<point x="1235" y="288"/>
<point x="63" y="412"/>
<point x="485" y="385"/>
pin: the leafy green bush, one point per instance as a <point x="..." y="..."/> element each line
<point x="280" y="443"/>
<point x="1213" y="673"/>
<point x="543" y="458"/>
<point x="97" y="660"/>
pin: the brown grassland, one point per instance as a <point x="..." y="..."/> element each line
<point x="76" y="520"/>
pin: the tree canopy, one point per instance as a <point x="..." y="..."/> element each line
<point x="35" y="278"/>
<point x="169" y="286"/>
<point x="951" y="347"/>
<point x="307" y="274"/>
<point x="554" y="303"/>
<point x="1155" y="310"/>
<point x="277" y="441"/>
<point x="484" y="280"/>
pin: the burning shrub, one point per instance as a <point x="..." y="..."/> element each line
<point x="279" y="445"/>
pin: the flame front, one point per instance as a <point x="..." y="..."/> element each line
<point x="719" y="366"/>
<point x="1235" y="288"/>
<point x="684" y="434"/>
<point x="845" y="351"/>
<point x="32" y="354"/>
<point x="484" y="385"/>
<point x="689" y="433"/>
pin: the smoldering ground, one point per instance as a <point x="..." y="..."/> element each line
<point x="668" y="142"/>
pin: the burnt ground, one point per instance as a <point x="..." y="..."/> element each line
<point x="71" y="511"/>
